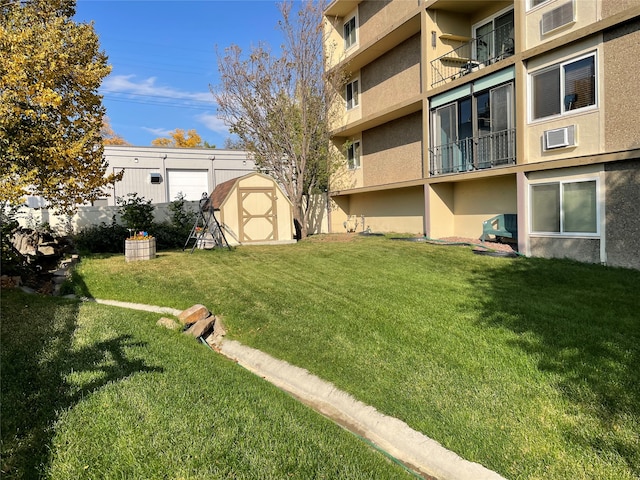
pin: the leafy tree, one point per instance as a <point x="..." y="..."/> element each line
<point x="179" y="138"/>
<point x="136" y="212"/>
<point x="50" y="110"/>
<point x="280" y="106"/>
<point x="109" y="137"/>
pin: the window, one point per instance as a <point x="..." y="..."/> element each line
<point x="353" y="155"/>
<point x="350" y="38"/>
<point x="474" y="132"/>
<point x="564" y="207"/>
<point x="352" y="95"/>
<point x="535" y="3"/>
<point x="494" y="39"/>
<point x="564" y="87"/>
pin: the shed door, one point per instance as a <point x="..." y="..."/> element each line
<point x="192" y="184"/>
<point x="258" y="215"/>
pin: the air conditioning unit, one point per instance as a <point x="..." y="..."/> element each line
<point x="155" y="178"/>
<point x="558" y="17"/>
<point x="560" y="137"/>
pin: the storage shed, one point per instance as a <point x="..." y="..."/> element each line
<point x="254" y="209"/>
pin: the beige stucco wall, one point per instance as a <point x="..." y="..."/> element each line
<point x="458" y="209"/>
<point x="392" y="78"/>
<point x="622" y="93"/>
<point x="586" y="12"/>
<point x="393" y="151"/>
<point x="589" y="122"/>
<point x="400" y="211"/>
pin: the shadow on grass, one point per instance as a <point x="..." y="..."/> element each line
<point x="581" y="323"/>
<point x="36" y="358"/>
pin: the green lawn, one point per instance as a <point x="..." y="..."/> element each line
<point x="97" y="392"/>
<point x="528" y="366"/>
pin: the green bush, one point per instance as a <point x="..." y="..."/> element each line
<point x="137" y="215"/>
<point x="102" y="238"/>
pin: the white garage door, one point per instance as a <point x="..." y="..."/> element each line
<point x="192" y="184"/>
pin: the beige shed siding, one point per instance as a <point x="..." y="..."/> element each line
<point x="231" y="215"/>
<point x="392" y="78"/>
<point x="393" y="152"/>
<point x="377" y="16"/>
<point x="622" y="99"/>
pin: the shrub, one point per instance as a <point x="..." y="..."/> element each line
<point x="136" y="212"/>
<point x="102" y="238"/>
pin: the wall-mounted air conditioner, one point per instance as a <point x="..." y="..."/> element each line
<point x="558" y="17"/>
<point x="155" y="178"/>
<point x="560" y="137"/>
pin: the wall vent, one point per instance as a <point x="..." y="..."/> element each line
<point x="560" y="137"/>
<point x="558" y="17"/>
<point x="155" y="178"/>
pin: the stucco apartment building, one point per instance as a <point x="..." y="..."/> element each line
<point x="456" y="111"/>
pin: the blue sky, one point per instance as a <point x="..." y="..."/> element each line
<point x="163" y="58"/>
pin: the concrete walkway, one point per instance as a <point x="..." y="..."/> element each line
<point x="419" y="453"/>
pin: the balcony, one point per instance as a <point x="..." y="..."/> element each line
<point x="474" y="153"/>
<point x="479" y="52"/>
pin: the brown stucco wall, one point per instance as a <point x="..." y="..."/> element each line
<point x="393" y="151"/>
<point x="622" y="84"/>
<point x="580" y="249"/>
<point x="377" y="16"/>
<point x="611" y="7"/>
<point x="392" y="78"/>
<point x="623" y="213"/>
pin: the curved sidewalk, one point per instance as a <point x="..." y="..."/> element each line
<point x="418" y="452"/>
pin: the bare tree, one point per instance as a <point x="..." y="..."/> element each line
<point x="279" y="105"/>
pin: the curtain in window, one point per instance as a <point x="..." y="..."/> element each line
<point x="546" y="93"/>
<point x="579" y="207"/>
<point x="545" y="208"/>
<point x="580" y="84"/>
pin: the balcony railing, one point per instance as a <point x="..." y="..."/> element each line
<point x="474" y="153"/>
<point x="477" y="53"/>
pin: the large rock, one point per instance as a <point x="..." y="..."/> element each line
<point x="193" y="314"/>
<point x="168" y="323"/>
<point x="202" y="327"/>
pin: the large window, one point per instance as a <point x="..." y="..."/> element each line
<point x="474" y="132"/>
<point x="352" y="94"/>
<point x="353" y="155"/>
<point x="564" y="87"/>
<point x="494" y="38"/>
<point x="350" y="33"/>
<point x="565" y="208"/>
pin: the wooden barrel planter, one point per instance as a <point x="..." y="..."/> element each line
<point x="139" y="249"/>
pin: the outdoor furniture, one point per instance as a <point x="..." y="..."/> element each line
<point x="504" y="225"/>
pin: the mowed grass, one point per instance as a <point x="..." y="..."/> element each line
<point x="528" y="366"/>
<point x="97" y="392"/>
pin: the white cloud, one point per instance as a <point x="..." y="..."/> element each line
<point x="128" y="84"/>
<point x="161" y="132"/>
<point x="213" y="123"/>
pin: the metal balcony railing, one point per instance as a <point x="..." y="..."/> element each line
<point x="474" y="153"/>
<point x="473" y="55"/>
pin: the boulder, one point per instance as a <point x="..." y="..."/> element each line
<point x="193" y="314"/>
<point x="216" y="336"/>
<point x="202" y="327"/>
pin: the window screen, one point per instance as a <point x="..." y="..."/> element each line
<point x="580" y="84"/>
<point x="546" y="93"/>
